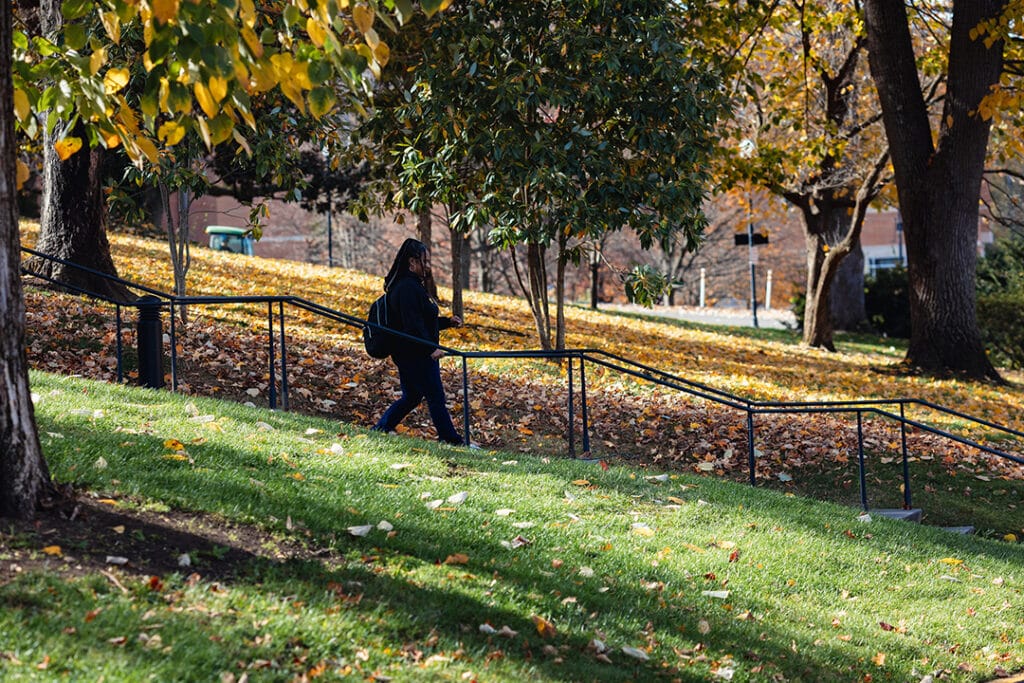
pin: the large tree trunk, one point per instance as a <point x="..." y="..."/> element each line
<point x="72" y="225"/>
<point x="24" y="477"/>
<point x="847" y="296"/>
<point x="938" y="185"/>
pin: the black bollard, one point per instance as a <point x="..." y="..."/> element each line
<point x="150" y="343"/>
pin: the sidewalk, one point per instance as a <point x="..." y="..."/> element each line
<point x="737" y="317"/>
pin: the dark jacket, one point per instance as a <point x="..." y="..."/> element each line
<point x="410" y="310"/>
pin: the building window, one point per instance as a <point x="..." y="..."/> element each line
<point x="883" y="263"/>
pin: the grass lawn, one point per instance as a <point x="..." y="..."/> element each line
<point x="228" y="542"/>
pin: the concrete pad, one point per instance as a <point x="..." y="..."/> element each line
<point x="911" y="515"/>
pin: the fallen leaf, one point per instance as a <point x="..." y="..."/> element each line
<point x="457" y="558"/>
<point x="53" y="550"/>
<point x="361" y="530"/>
<point x="458" y="498"/>
<point x="544" y="627"/>
<point x="636" y="653"/>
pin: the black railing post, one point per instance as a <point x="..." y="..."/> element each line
<point x="284" y="360"/>
<point x="465" y="400"/>
<point x="270" y="350"/>
<point x="150" y="341"/>
<point x="174" y="349"/>
<point x="583" y="406"/>
<point x="906" y="464"/>
<point x="120" y="345"/>
<point x="572" y="432"/>
<point x="751" y="459"/>
<point x="860" y="460"/>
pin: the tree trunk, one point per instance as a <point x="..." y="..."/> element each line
<point x="817" y="316"/>
<point x="424" y="226"/>
<point x="24" y="476"/>
<point x="72" y="224"/>
<point x="938" y="185"/>
<point x="458" y="254"/>
<point x="847" y="296"/>
<point x="535" y="290"/>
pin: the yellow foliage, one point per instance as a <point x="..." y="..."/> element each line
<point x="66" y="147"/>
<point x="115" y="80"/>
<point x="165" y="10"/>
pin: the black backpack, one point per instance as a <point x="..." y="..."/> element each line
<point x="377" y="342"/>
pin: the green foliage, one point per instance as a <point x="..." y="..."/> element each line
<point x="646" y="286"/>
<point x="1002" y="269"/>
<point x="557" y="119"/>
<point x="1001" y="319"/>
<point x="887" y="301"/>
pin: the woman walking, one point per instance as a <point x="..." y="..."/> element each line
<point x="412" y="309"/>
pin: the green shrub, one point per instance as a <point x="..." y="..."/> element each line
<point x="887" y="300"/>
<point x="1001" y="318"/>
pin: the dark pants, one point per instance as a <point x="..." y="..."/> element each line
<point x="420" y="378"/>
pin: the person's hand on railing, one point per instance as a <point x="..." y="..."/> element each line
<point x="438" y="354"/>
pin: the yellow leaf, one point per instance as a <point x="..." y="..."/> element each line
<point x="204" y="130"/>
<point x="457" y="558"/>
<point x="165" y="10"/>
<point x="879" y="659"/>
<point x="23" y="173"/>
<point x="382" y="52"/>
<point x="297" y="476"/>
<point x="1010" y="538"/>
<point x="110" y="139"/>
<point x="205" y="99"/>
<point x="174" y="445"/>
<point x="115" y="80"/>
<point x="66" y="147"/>
<point x="677" y="501"/>
<point x="317" y="34"/>
<point x="363" y="17"/>
<point x="218" y="88"/>
<point x="112" y="24"/>
<point x="176" y="456"/>
<point x="951" y="560"/>
<point x="544" y="627"/>
<point x="581" y="482"/>
<point x="252" y="41"/>
<point x="171" y="133"/>
<point x="644" y="531"/>
<point x="248" y="13"/>
<point x="107" y="501"/>
<point x="22" y="108"/>
<point x="146" y="146"/>
<point x="53" y="550"/>
<point x="96" y="61"/>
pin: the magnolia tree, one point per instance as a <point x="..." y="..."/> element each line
<point x="201" y="64"/>
<point x="554" y="123"/>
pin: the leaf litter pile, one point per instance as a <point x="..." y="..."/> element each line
<point x="522" y="405"/>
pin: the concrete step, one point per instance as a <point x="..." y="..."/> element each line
<point x="914" y="515"/>
<point x="911" y="515"/>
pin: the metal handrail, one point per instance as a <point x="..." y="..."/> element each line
<point x="598" y="357"/>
